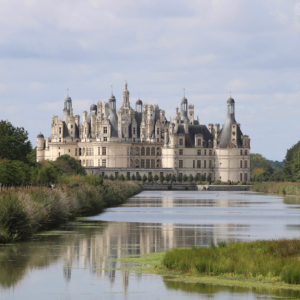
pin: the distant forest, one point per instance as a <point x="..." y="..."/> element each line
<point x="276" y="164"/>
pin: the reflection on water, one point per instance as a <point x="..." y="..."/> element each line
<point x="83" y="258"/>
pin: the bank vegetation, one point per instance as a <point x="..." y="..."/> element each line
<point x="268" y="261"/>
<point x="24" y="212"/>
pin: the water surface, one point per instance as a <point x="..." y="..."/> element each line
<point x="79" y="261"/>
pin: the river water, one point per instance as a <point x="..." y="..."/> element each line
<point x="80" y="260"/>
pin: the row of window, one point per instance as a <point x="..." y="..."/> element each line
<point x="199" y="143"/>
<point x="245" y="152"/>
<point x="199" y="152"/>
<point x="198" y="164"/>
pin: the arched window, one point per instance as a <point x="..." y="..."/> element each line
<point x="137" y="163"/>
<point x="137" y="151"/>
<point x="142" y="151"/>
<point x="153" y="151"/>
<point x="148" y="151"/>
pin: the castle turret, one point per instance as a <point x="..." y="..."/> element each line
<point x="125" y="103"/>
<point x="40" y="147"/>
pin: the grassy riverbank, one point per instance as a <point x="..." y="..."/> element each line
<point x="284" y="188"/>
<point x="268" y="261"/>
<point x="25" y="212"/>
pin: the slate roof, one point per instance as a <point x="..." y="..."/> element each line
<point x="224" y="138"/>
<point x="193" y="130"/>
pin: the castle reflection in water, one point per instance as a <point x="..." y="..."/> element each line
<point x="103" y="243"/>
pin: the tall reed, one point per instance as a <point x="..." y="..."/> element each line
<point x="25" y="212"/>
<point x="284" y="188"/>
<point x="277" y="259"/>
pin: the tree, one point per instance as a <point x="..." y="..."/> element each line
<point x="291" y="168"/>
<point x="184" y="178"/>
<point x="14" y="144"/>
<point x="203" y="177"/>
<point x="258" y="161"/>
<point x="168" y="178"/>
<point x="111" y="177"/>
<point x="121" y="177"/>
<point x="209" y="178"/>
<point x="144" y="178"/>
<point x="70" y="165"/>
<point x="155" y="177"/>
<point x="197" y="177"/>
<point x="150" y="178"/>
<point x="191" y="178"/>
<point x="161" y="178"/>
<point x="127" y="176"/>
<point x="14" y="172"/>
<point x="133" y="177"/>
<point x="179" y="178"/>
<point x="173" y="179"/>
<point x="139" y="178"/>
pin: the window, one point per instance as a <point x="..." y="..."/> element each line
<point x="142" y="163"/>
<point x="245" y="164"/>
<point x="152" y="151"/>
<point x="137" y="174"/>
<point x="69" y="150"/>
<point x="60" y="140"/>
<point x="157" y="131"/>
<point x="241" y="152"/>
<point x="157" y="140"/>
<point x="147" y="151"/>
<point x="181" y="142"/>
<point x="204" y="152"/>
<point x="71" y="132"/>
<point x="245" y="177"/>
<point x="147" y="163"/>
<point x="198" y="152"/>
<point x="210" y="164"/>
<point x="71" y="126"/>
<point x="104" y="129"/>
<point x="59" y="131"/>
<point x="98" y="150"/>
<point x="128" y="175"/>
<point x="193" y="164"/>
<point x="199" y="142"/>
<point x="241" y="164"/>
<point x="105" y="139"/>
<point x="205" y="164"/>
<point x="75" y="151"/>
<point x="103" y="150"/>
<point x="133" y="130"/>
<point x="79" y="151"/>
<point x="99" y="162"/>
<point x="246" y="152"/>
<point x="180" y="151"/>
<point x="198" y="164"/>
<point x="133" y="139"/>
<point x="143" y="151"/>
<point x="181" y="164"/>
<point x="116" y="174"/>
<point x="241" y="176"/>
<point x="152" y="163"/>
<point x="210" y="152"/>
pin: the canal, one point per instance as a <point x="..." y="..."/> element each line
<point x="80" y="261"/>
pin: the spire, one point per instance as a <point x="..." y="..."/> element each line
<point x="125" y="85"/>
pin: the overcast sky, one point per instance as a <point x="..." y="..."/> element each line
<point x="208" y="47"/>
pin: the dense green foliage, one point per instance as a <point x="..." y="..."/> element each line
<point x="277" y="260"/>
<point x="292" y="163"/>
<point x="276" y="164"/>
<point x="25" y="212"/>
<point x="262" y="169"/>
<point x="14" y="144"/>
<point x="70" y="165"/>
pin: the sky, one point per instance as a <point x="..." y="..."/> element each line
<point x="210" y="48"/>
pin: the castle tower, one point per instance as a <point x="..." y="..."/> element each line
<point x="126" y="103"/>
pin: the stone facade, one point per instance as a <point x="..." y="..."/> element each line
<point x="127" y="141"/>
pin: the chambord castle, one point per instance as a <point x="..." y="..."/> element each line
<point x="143" y="141"/>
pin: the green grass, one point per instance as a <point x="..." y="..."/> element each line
<point x="267" y="261"/>
<point x="283" y="188"/>
<point x="26" y="212"/>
